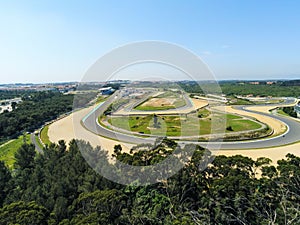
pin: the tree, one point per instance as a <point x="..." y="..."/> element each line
<point x="25" y="157"/>
<point x="149" y="207"/>
<point x="13" y="105"/>
<point x="5" y="177"/>
<point x="99" y="207"/>
<point x="23" y="213"/>
<point x="117" y="150"/>
<point x="229" y="128"/>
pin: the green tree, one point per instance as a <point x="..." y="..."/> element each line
<point x="5" y="177"/>
<point x="23" y="213"/>
<point x="99" y="207"/>
<point x="24" y="166"/>
<point x="13" y="105"/>
<point x="149" y="207"/>
<point x="25" y="157"/>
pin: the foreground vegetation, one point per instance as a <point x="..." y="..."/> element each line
<point x="59" y="187"/>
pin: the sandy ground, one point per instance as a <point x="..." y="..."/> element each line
<point x="70" y="128"/>
<point x="6" y="107"/>
<point x="264" y="109"/>
<point x="158" y="102"/>
<point x="274" y="154"/>
<point x="199" y="103"/>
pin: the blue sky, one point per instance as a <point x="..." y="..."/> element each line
<point x="47" y="41"/>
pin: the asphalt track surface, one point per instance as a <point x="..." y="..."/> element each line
<point x="289" y="137"/>
<point x="33" y="140"/>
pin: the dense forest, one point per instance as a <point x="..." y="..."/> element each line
<point x="282" y="89"/>
<point x="9" y="94"/>
<point x="35" y="109"/>
<point x="59" y="187"/>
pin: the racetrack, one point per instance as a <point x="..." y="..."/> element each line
<point x="91" y="124"/>
<point x="98" y="135"/>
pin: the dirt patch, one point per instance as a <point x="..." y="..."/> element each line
<point x="159" y="102"/>
<point x="198" y="103"/>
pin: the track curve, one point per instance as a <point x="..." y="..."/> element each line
<point x="90" y="122"/>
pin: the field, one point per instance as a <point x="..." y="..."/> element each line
<point x="7" y="151"/>
<point x="164" y="101"/>
<point x="182" y="126"/>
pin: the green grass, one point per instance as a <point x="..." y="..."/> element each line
<point x="7" y="152"/>
<point x="44" y="135"/>
<point x="182" y="126"/>
<point x="243" y="124"/>
<point x="152" y="108"/>
<point x="232" y="117"/>
<point x="102" y="98"/>
<point x="203" y="113"/>
<point x="281" y="112"/>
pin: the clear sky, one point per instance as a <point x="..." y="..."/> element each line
<point x="47" y="41"/>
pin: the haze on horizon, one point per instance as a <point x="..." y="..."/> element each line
<point x="54" y="41"/>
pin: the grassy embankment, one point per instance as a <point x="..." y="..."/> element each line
<point x="44" y="135"/>
<point x="101" y="98"/>
<point x="281" y="112"/>
<point x="8" y="149"/>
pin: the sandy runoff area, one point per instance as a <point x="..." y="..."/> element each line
<point x="70" y="127"/>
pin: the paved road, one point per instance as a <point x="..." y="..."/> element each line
<point x="291" y="136"/>
<point x="33" y="141"/>
<point x="90" y="123"/>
